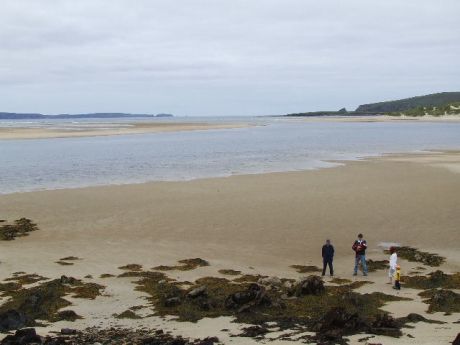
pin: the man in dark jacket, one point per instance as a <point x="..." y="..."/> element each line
<point x="360" y="247"/>
<point x="328" y="256"/>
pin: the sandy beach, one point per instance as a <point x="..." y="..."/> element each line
<point x="257" y="224"/>
<point x="108" y="129"/>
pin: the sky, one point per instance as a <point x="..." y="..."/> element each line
<point x="223" y="57"/>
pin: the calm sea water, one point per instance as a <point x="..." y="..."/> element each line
<point x="277" y="145"/>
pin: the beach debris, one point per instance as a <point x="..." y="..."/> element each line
<point x="185" y="265"/>
<point x="229" y="272"/>
<point x="20" y="227"/>
<point x="442" y="300"/>
<point x="415" y="255"/>
<point x="305" y="269"/>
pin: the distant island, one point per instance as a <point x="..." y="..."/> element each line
<point x="31" y="116"/>
<point x="436" y="104"/>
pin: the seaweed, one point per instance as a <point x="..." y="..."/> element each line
<point x="437" y="279"/>
<point x="20" y="227"/>
<point x="70" y="258"/>
<point x="64" y="263"/>
<point x="442" y="300"/>
<point x="106" y="275"/>
<point x="375" y="265"/>
<point x="131" y="267"/>
<point x="340" y="281"/>
<point x="24" y="279"/>
<point x="305" y="269"/>
<point x="415" y="255"/>
<point x="229" y="272"/>
<point x="44" y="301"/>
<point x="281" y="304"/>
<point x="185" y="265"/>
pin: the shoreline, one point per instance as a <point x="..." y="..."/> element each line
<point x="375" y="118"/>
<point x="124" y="128"/>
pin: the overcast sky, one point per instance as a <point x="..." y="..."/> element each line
<point x="216" y="57"/>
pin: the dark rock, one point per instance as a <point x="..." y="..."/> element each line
<point x="68" y="280"/>
<point x="22" y="336"/>
<point x="457" y="340"/>
<point x="312" y="285"/>
<point x="172" y="302"/>
<point x="12" y="319"/>
<point x="254" y="295"/>
<point x="68" y="331"/>
<point x="67" y="315"/>
<point x="199" y="291"/>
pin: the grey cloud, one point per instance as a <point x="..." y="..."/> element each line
<point x="235" y="57"/>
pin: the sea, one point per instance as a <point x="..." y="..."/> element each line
<point x="269" y="144"/>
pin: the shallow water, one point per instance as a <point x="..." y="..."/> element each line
<point x="277" y="145"/>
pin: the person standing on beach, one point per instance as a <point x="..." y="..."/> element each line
<point x="393" y="263"/>
<point x="360" y="247"/>
<point x="328" y="256"/>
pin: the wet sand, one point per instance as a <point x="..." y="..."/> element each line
<point x="108" y="129"/>
<point x="259" y="224"/>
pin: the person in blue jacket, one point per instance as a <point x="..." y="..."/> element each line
<point x="328" y="256"/>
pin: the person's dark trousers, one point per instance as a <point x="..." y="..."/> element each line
<point x="327" y="262"/>
<point x="397" y="285"/>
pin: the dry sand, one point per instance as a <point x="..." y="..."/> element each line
<point x="107" y="129"/>
<point x="256" y="224"/>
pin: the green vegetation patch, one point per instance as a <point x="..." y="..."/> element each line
<point x="305" y="269"/>
<point x="185" y="265"/>
<point x="434" y="280"/>
<point x="442" y="300"/>
<point x="415" y="255"/>
<point x="20" y="227"/>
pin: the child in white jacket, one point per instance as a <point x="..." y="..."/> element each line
<point x="393" y="264"/>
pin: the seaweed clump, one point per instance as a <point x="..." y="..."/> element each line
<point x="42" y="302"/>
<point x="21" y="227"/>
<point x="131" y="267"/>
<point x="437" y="279"/>
<point x="229" y="272"/>
<point x="303" y="305"/>
<point x="442" y="300"/>
<point x="185" y="265"/>
<point x="415" y="255"/>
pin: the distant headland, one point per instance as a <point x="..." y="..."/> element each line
<point x="29" y="116"/>
<point x="436" y="104"/>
